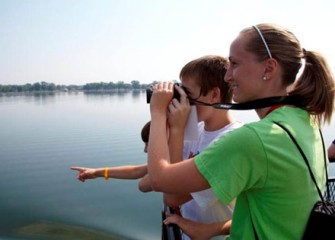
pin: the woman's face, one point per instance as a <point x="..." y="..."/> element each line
<point x="245" y="73"/>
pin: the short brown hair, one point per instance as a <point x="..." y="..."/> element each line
<point x="209" y="72"/>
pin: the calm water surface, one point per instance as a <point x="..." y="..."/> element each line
<point x="43" y="135"/>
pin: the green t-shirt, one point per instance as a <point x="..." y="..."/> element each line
<point x="260" y="166"/>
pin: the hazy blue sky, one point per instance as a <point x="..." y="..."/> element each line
<point x="82" y="41"/>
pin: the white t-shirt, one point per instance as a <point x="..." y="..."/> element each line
<point x="205" y="207"/>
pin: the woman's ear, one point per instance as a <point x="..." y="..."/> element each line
<point x="271" y="68"/>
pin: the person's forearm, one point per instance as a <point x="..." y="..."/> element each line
<point x="166" y="177"/>
<point x="158" y="151"/>
<point x="199" y="231"/>
<point x="219" y="228"/>
<point x="123" y="172"/>
<point x="176" y="143"/>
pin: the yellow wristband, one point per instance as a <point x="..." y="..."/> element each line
<point x="106" y="173"/>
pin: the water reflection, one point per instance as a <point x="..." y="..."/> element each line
<point x="119" y="95"/>
<point x="43" y="98"/>
<point x="137" y="93"/>
<point x="44" y="135"/>
<point x="39" y="98"/>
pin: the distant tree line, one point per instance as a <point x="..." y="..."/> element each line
<point x="42" y="86"/>
<point x="51" y="87"/>
<point x="134" y="85"/>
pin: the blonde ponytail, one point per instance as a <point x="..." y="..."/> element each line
<point x="315" y="87"/>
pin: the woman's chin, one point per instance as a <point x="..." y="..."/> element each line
<point x="236" y="99"/>
<point x="239" y="99"/>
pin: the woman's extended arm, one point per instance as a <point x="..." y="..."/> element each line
<point x="178" y="114"/>
<point x="182" y="177"/>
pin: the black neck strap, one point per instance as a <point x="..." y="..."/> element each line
<point x="255" y="104"/>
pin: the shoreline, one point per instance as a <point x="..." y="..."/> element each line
<point x="52" y="230"/>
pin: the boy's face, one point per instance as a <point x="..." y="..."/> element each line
<point x="193" y="88"/>
<point x="195" y="93"/>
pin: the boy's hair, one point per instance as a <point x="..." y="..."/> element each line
<point x="209" y="72"/>
<point x="145" y="132"/>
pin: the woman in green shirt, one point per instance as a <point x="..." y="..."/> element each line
<point x="258" y="163"/>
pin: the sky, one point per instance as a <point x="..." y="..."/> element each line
<point x="83" y="41"/>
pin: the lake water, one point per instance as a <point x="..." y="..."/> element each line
<point x="41" y="136"/>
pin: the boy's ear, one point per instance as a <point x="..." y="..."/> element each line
<point x="216" y="95"/>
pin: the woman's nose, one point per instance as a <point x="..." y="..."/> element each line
<point x="228" y="76"/>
